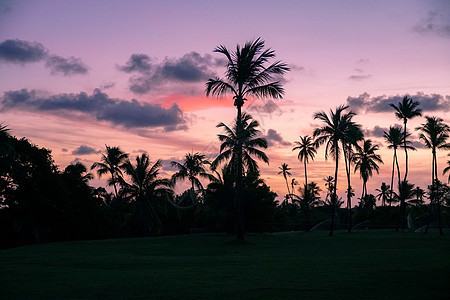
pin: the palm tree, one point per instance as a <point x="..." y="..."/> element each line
<point x="249" y="144"/>
<point x="191" y="169"/>
<point x="405" y="192"/>
<point x="406" y="109"/>
<point x="434" y="135"/>
<point x="285" y="171"/>
<point x="78" y="171"/>
<point x="309" y="198"/>
<point x="366" y="161"/>
<point x="145" y="187"/>
<point x="395" y="138"/>
<point x="247" y="75"/>
<point x="383" y="194"/>
<point x="111" y="163"/>
<point x="293" y="183"/>
<point x="419" y="193"/>
<point x="334" y="131"/>
<point x="447" y="169"/>
<point x="306" y="149"/>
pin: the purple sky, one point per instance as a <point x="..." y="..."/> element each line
<point x="70" y="70"/>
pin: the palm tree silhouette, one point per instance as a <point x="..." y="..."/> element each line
<point x="306" y="149"/>
<point x="285" y="171"/>
<point x="192" y="169"/>
<point x="247" y="75"/>
<point x="332" y="133"/>
<point x="405" y="110"/>
<point x="309" y="198"/>
<point x="111" y="163"/>
<point x="434" y="135"/>
<point x="145" y="187"/>
<point x="395" y="138"/>
<point x="405" y="192"/>
<point x="383" y="193"/>
<point x="366" y="161"/>
<point x="447" y="169"/>
<point x="78" y="171"/>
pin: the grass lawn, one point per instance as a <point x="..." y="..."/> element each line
<point x="361" y="265"/>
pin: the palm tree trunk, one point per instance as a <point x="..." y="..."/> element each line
<point x="334" y="199"/>
<point x="406" y="150"/>
<point x="287" y="185"/>
<point x="239" y="191"/>
<point x="306" y="174"/>
<point x="349" y="196"/>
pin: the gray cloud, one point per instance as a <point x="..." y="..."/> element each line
<point x="268" y="108"/>
<point x="192" y="67"/>
<point x="435" y="23"/>
<point x="137" y="63"/>
<point x="21" y="52"/>
<point x="273" y="138"/>
<point x="376" y="131"/>
<point x="99" y="105"/>
<point x="85" y="150"/>
<point x="5" y="6"/>
<point x="363" y="61"/>
<point x="417" y="144"/>
<point x="66" y="66"/>
<point x="428" y="102"/>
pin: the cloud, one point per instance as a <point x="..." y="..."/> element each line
<point x="418" y="145"/>
<point x="376" y="131"/>
<point x="64" y="150"/>
<point x="107" y="85"/>
<point x="268" y="108"/>
<point x="428" y="102"/>
<point x="66" y="66"/>
<point x="21" y="52"/>
<point x="359" y="77"/>
<point x="99" y="105"/>
<point x="5" y="6"/>
<point x="363" y="61"/>
<point x="190" y="68"/>
<point x="85" y="150"/>
<point x="273" y="138"/>
<point x="137" y="63"/>
<point x="435" y="23"/>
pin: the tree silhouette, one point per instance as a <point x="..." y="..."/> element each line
<point x="434" y="136"/>
<point x="405" y="110"/>
<point x="111" y="162"/>
<point x="447" y="169"/>
<point x="247" y="75"/>
<point x="405" y="192"/>
<point x="306" y="149"/>
<point x="144" y="187"/>
<point x="192" y="169"/>
<point x="395" y="138"/>
<point x="366" y="161"/>
<point x="332" y="133"/>
<point x="285" y="171"/>
<point x="383" y="193"/>
<point x="309" y="198"/>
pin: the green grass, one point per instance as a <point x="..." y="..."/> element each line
<point x="360" y="265"/>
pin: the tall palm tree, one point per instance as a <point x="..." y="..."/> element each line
<point x="247" y="75"/>
<point x="447" y="169"/>
<point x="192" y="169"/>
<point x="145" y="186"/>
<point x="285" y="171"/>
<point x="353" y="135"/>
<point x="405" y="110"/>
<point x="306" y="149"/>
<point x="111" y="162"/>
<point x="434" y="134"/>
<point x="395" y="138"/>
<point x="332" y="133"/>
<point x="383" y="193"/>
<point x="366" y="161"/>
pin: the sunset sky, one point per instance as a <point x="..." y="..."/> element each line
<point x="76" y="75"/>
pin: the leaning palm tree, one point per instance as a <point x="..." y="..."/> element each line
<point x="366" y="161"/>
<point x="405" y="110"/>
<point x="247" y="75"/>
<point x="447" y="169"/>
<point x="332" y="133"/>
<point x="306" y="149"/>
<point x="111" y="162"/>
<point x="383" y="193"/>
<point x="144" y="187"/>
<point x="434" y="135"/>
<point x="285" y="171"/>
<point x="192" y="169"/>
<point x="394" y="139"/>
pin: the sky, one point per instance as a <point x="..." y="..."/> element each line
<point x="78" y="75"/>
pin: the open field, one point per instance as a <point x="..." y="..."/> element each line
<point x="366" y="264"/>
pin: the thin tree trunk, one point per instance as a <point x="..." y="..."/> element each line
<point x="239" y="180"/>
<point x="349" y="197"/>
<point x="306" y="175"/>
<point x="334" y="199"/>
<point x="406" y="150"/>
<point x="287" y="185"/>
